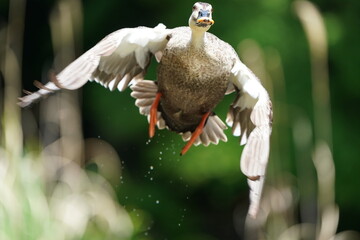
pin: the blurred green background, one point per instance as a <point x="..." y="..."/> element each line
<point x="203" y="195"/>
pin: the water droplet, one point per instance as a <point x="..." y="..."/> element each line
<point x="151" y="167"/>
<point x="157" y="202"/>
<point x="151" y="179"/>
<point x="160" y="152"/>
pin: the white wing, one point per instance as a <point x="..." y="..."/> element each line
<point x="250" y="117"/>
<point x="116" y="60"/>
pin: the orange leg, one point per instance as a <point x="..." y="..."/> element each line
<point x="153" y="114"/>
<point x="195" y="134"/>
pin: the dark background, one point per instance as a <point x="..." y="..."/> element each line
<point x="203" y="194"/>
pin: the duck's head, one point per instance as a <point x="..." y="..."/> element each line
<point x="201" y="17"/>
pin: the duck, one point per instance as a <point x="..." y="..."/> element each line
<point x="195" y="71"/>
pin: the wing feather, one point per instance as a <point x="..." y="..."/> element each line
<point x="250" y="117"/>
<point x="114" y="62"/>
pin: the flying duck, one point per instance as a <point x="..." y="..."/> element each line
<point x="196" y="69"/>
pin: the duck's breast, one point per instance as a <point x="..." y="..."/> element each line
<point x="192" y="81"/>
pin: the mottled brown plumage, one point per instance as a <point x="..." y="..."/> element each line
<point x="192" y="80"/>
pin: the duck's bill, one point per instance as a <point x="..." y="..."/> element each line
<point x="204" y="22"/>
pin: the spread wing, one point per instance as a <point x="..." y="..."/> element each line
<point x="250" y="117"/>
<point x="120" y="57"/>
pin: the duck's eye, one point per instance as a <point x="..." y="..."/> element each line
<point x="194" y="7"/>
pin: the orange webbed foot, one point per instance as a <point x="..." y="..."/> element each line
<point x="153" y="115"/>
<point x="195" y="134"/>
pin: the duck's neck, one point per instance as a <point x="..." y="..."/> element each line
<point x="197" y="39"/>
